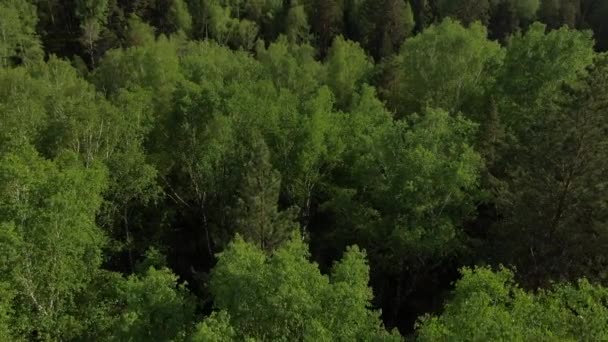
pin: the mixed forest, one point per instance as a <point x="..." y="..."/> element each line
<point x="303" y="170"/>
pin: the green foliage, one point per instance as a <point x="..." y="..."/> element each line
<point x="96" y="9"/>
<point x="327" y="20"/>
<point x="509" y="16"/>
<point x="291" y="66"/>
<point x="553" y="58"/>
<point x="18" y="39"/>
<point x="154" y="66"/>
<point x="172" y="125"/>
<point x="466" y="11"/>
<point x="179" y="18"/>
<point x="93" y="15"/>
<point x="140" y="33"/>
<point x="558" y="172"/>
<point x="246" y="34"/>
<point x="548" y="128"/>
<point x="215" y="131"/>
<point x="50" y="243"/>
<point x="526" y="9"/>
<point x="219" y="23"/>
<point x="408" y="185"/>
<point x="155" y="306"/>
<point x="6" y="311"/>
<point x="347" y="68"/>
<point x="488" y="305"/>
<point x="215" y="328"/>
<point x="209" y="139"/>
<point x="297" y="26"/>
<point x="75" y="114"/>
<point x="152" y="304"/>
<point x="256" y="215"/>
<point x="284" y="296"/>
<point x="558" y="13"/>
<point x="381" y="26"/>
<point x="447" y="66"/>
<point x="236" y="23"/>
<point x="318" y="150"/>
<point x="23" y="119"/>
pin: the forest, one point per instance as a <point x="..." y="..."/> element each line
<point x="303" y="170"/>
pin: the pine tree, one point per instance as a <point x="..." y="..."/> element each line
<point x="466" y="11"/>
<point x="327" y="22"/>
<point x="554" y="198"/>
<point x="384" y="25"/>
<point x="257" y="217"/>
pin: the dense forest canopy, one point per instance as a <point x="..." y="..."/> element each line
<point x="310" y="170"/>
